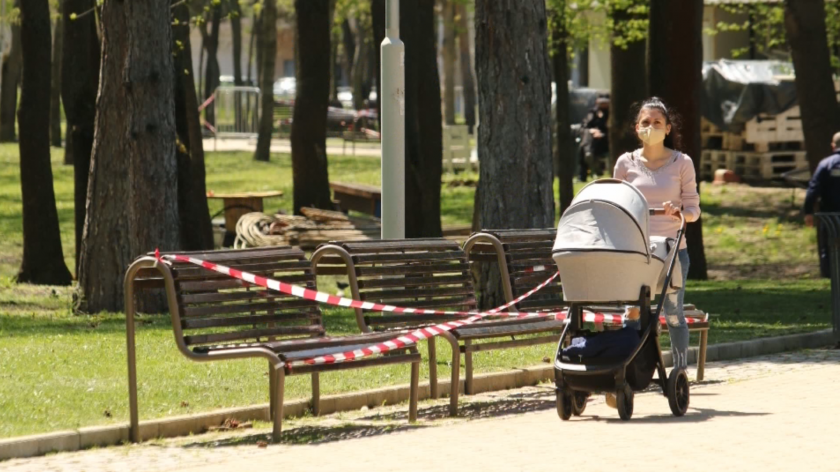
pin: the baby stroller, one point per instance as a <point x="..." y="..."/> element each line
<point x="607" y="260"/>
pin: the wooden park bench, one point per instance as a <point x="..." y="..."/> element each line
<point x="358" y="197"/>
<point x="215" y="317"/>
<point x="424" y="273"/>
<point x="518" y="252"/>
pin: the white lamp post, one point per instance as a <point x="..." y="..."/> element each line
<point x="392" y="96"/>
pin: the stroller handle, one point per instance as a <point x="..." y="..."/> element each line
<point x="661" y="212"/>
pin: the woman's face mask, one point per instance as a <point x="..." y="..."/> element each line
<point x="651" y="136"/>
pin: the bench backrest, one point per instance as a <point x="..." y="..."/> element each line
<point x="415" y="273"/>
<point x="217" y="310"/>
<point x="527" y="255"/>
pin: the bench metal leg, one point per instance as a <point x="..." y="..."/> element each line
<point x="272" y="390"/>
<point x="468" y="367"/>
<point x="316" y="394"/>
<point x="280" y="382"/>
<point x="455" y="384"/>
<point x="433" y="381"/>
<point x="412" y="396"/>
<point x="134" y="418"/>
<point x="701" y="360"/>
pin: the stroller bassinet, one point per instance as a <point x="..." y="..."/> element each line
<point x="605" y="256"/>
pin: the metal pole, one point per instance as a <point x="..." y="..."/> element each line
<point x="392" y="95"/>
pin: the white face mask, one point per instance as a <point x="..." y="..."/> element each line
<point x="651" y="136"/>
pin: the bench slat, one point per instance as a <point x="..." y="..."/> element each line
<point x="415" y="281"/>
<point x="409" y="257"/>
<point x="234" y="308"/>
<point x="255" y="293"/>
<point x="474" y="332"/>
<point x="222" y="284"/>
<point x="416" y="293"/>
<point x="250" y="334"/>
<point x="262" y="267"/>
<point x="247" y="320"/>
<point x="413" y="269"/>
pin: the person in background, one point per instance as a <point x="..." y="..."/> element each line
<point x="825" y="186"/>
<point x="595" y="143"/>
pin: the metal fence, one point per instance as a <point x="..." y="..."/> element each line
<point x="237" y="112"/>
<point x="829" y="223"/>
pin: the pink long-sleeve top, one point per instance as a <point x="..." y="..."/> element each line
<point x="675" y="182"/>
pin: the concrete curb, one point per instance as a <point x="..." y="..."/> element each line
<point x="82" y="438"/>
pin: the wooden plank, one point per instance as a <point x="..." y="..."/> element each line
<point x="510" y="344"/>
<point x="410" y="257"/>
<point x="248" y="334"/>
<point x="413" y="269"/>
<point x="222" y="284"/>
<point x="366" y="362"/>
<point x="262" y="268"/>
<point x="234" y="308"/>
<point x="407" y="244"/>
<point x="416" y="320"/>
<point x="416" y="293"/>
<point x="543" y="254"/>
<point x="308" y="343"/>
<point x="256" y="293"/>
<point x="460" y="304"/>
<point x="463" y="278"/>
<point x="229" y="321"/>
<point x="469" y="332"/>
<point x="359" y="190"/>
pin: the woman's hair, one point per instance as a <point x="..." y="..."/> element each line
<point x="673" y="140"/>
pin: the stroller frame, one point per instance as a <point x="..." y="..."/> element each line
<point x="569" y="377"/>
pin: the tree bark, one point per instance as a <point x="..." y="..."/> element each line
<point x="449" y="53"/>
<point x="12" y="65"/>
<point x="348" y="43"/>
<point x="423" y="131"/>
<point x="377" y="13"/>
<point x="563" y="152"/>
<point x="211" y="76"/>
<point x="79" y="86"/>
<point x="55" y="86"/>
<point x="806" y="34"/>
<point x="360" y="66"/>
<point x="195" y="225"/>
<point x="467" y="79"/>
<point x="309" y="123"/>
<point x="675" y="59"/>
<point x="266" y="53"/>
<point x="43" y="257"/>
<point x="254" y="33"/>
<point x="514" y="138"/>
<point x="236" y="32"/>
<point x="133" y="193"/>
<point x="627" y="87"/>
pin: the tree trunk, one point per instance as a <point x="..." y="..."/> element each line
<point x="514" y="138"/>
<point x="467" y="79"/>
<point x="267" y="52"/>
<point x="423" y="132"/>
<point x="309" y="123"/>
<point x="236" y="32"/>
<point x="348" y="43"/>
<point x="583" y="78"/>
<point x="675" y="59"/>
<point x="196" y="228"/>
<point x="133" y="192"/>
<point x="377" y="13"/>
<point x="12" y="65"/>
<point x="563" y="152"/>
<point x="211" y="76"/>
<point x="79" y="86"/>
<point x="449" y="53"/>
<point x="55" y="86"/>
<point x="254" y="33"/>
<point x="43" y="257"/>
<point x="360" y="66"/>
<point x="806" y="34"/>
<point x="627" y="87"/>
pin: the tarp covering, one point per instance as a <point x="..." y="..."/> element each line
<point x="734" y="92"/>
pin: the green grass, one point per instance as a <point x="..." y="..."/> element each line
<point x="60" y="371"/>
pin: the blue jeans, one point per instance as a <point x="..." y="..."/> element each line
<point x="675" y="317"/>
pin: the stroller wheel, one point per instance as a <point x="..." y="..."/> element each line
<point x="565" y="405"/>
<point x="678" y="392"/>
<point x="579" y="402"/>
<point x="624" y="402"/>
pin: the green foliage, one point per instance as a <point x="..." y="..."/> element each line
<point x="624" y="21"/>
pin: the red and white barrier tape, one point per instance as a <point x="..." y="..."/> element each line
<point x="400" y="341"/>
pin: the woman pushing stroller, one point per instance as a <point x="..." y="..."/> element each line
<point x="666" y="178"/>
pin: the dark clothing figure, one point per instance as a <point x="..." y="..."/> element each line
<point x="595" y="143"/>
<point x="825" y="186"/>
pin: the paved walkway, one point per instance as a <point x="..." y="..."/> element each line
<point x="774" y="413"/>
